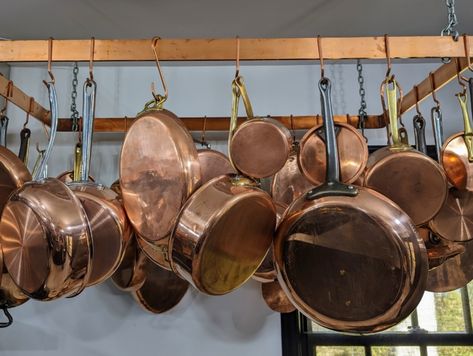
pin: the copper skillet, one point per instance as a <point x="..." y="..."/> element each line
<point x="338" y="241"/>
<point x="224" y="230"/>
<point x="45" y="233"/>
<point x="409" y="178"/>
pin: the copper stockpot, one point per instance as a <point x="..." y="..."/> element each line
<point x="409" y="178"/>
<point x="275" y="298"/>
<point x="159" y="169"/>
<point x="213" y="164"/>
<point x="340" y="258"/>
<point x="45" y="233"/>
<point x="352" y="148"/>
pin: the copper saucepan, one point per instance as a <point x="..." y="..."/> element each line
<point x="409" y="178"/>
<point x="338" y="241"/>
<point x="224" y="230"/>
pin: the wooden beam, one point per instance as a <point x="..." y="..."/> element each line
<point x="225" y="49"/>
<point x="222" y="123"/>
<point x="442" y="76"/>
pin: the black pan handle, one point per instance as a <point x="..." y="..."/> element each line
<point x="9" y="321"/>
<point x="25" y="135"/>
<point x="419" y="133"/>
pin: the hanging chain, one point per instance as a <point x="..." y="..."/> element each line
<point x="362" y="110"/>
<point x="450" y="29"/>
<point x="74" y="111"/>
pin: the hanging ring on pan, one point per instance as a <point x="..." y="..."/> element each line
<point x="321" y="57"/>
<point x="158" y="98"/>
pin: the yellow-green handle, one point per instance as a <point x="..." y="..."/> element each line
<point x="77" y="162"/>
<point x="467" y="131"/>
<point x="244" y="95"/>
<point x="233" y="118"/>
<point x="392" y="111"/>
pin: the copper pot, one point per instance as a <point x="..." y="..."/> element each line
<point x="338" y="241"/>
<point x="213" y="164"/>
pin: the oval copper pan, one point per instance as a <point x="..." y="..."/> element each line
<point x="275" y="297"/>
<point x="130" y="274"/>
<point x="289" y="183"/>
<point x="458" y="168"/>
<point x="410" y="179"/>
<point x="352" y="150"/>
<point x="162" y="289"/>
<point x="213" y="164"/>
<point x="260" y="147"/>
<point x="159" y="169"/>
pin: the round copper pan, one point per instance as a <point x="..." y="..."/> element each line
<point x="223" y="234"/>
<point x="130" y="274"/>
<point x="159" y="169"/>
<point x="275" y="298"/>
<point x="156" y="251"/>
<point x="409" y="178"/>
<point x="455" y="161"/>
<point x="260" y="147"/>
<point x="352" y="149"/>
<point x="13" y="174"/>
<point x="289" y="183"/>
<point x="213" y="164"/>
<point x="162" y="289"/>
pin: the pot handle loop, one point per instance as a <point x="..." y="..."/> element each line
<point x="88" y="113"/>
<point x="391" y="86"/>
<point x="233" y="118"/>
<point x="468" y="132"/>
<point x="9" y="321"/>
<point x="244" y="95"/>
<point x="419" y="133"/>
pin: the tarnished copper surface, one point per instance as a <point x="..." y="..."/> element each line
<point x="260" y="147"/>
<point x="454" y="273"/>
<point x="275" y="297"/>
<point x="46" y="240"/>
<point x="410" y="179"/>
<point x="162" y="289"/>
<point x="109" y="226"/>
<point x="458" y="168"/>
<point x="13" y="174"/>
<point x="156" y="251"/>
<point x="289" y="183"/>
<point x="130" y="274"/>
<point x="223" y="234"/>
<point x="68" y="177"/>
<point x="344" y="264"/>
<point x="159" y="169"/>
<point x="454" y="221"/>
<point x="352" y="150"/>
<point x="213" y="164"/>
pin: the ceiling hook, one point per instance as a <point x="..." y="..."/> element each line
<point x="416" y="91"/>
<point x="434" y="89"/>
<point x="461" y="79"/>
<point x="321" y="56"/>
<point x="50" y="59"/>
<point x="30" y="110"/>
<point x="158" y="97"/>
<point x="388" y="55"/>
<point x="91" y="59"/>
<point x="237" y="57"/>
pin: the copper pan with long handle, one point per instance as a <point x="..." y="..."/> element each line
<point x="338" y="241"/>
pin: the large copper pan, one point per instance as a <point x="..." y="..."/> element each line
<point x="409" y="178"/>
<point x="224" y="230"/>
<point x="338" y="241"/>
<point x="45" y="233"/>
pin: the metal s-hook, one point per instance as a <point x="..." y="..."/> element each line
<point x="434" y="89"/>
<point x="416" y="92"/>
<point x="466" y="43"/>
<point x="461" y="79"/>
<point x="50" y="59"/>
<point x="9" y="321"/>
<point x="237" y="57"/>
<point x="158" y="97"/>
<point x="291" y="118"/>
<point x="8" y="95"/>
<point x="91" y="58"/>
<point x="321" y="56"/>
<point x="388" y="55"/>
<point x="30" y="110"/>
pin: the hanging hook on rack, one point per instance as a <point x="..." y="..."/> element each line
<point x="321" y="56"/>
<point x="292" y="128"/>
<point x="91" y="59"/>
<point x="434" y="90"/>
<point x="9" y="94"/>
<point x="416" y="91"/>
<point x="461" y="79"/>
<point x="202" y="136"/>
<point x="30" y="110"/>
<point x="388" y="57"/>
<point x="50" y="56"/>
<point x="158" y="97"/>
<point x="466" y="43"/>
<point x="237" y="57"/>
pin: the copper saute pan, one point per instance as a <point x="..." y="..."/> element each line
<point x="338" y="241"/>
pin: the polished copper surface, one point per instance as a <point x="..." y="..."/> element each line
<point x="344" y="263"/>
<point x="162" y="289"/>
<point x="275" y="297"/>
<point x="68" y="177"/>
<point x="223" y="234"/>
<point x="10" y="295"/>
<point x="213" y="164"/>
<point x="130" y="274"/>
<point x="352" y="150"/>
<point x="13" y="174"/>
<point x="260" y="147"/>
<point x="46" y="240"/>
<point x="454" y="221"/>
<point x="410" y="179"/>
<point x="156" y="251"/>
<point x="289" y="183"/>
<point x="458" y="168"/>
<point x="159" y="169"/>
<point x="109" y="227"/>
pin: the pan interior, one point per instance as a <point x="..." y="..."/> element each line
<point x="343" y="264"/>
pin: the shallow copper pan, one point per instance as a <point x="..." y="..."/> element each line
<point x="275" y="297"/>
<point x="213" y="164"/>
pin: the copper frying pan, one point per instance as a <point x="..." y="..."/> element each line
<point x="225" y="228"/>
<point x="338" y="241"/>
<point x="409" y="178"/>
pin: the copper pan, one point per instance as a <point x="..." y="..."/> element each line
<point x="338" y="241"/>
<point x="162" y="290"/>
<point x="352" y="148"/>
<point x="275" y="298"/>
<point x="213" y="164"/>
<point x="224" y="230"/>
<point x="45" y="233"/>
<point x="409" y="178"/>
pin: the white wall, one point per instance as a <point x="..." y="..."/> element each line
<point x="104" y="321"/>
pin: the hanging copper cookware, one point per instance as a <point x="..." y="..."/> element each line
<point x="213" y="164"/>
<point x="409" y="178"/>
<point x="224" y="230"/>
<point x="74" y="175"/>
<point x="340" y="258"/>
<point x="275" y="297"/>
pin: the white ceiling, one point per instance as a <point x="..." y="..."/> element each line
<point x="34" y="19"/>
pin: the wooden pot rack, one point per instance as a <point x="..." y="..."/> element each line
<point x="300" y="49"/>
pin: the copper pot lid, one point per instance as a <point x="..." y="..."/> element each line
<point x="130" y="274"/>
<point x="213" y="164"/>
<point x="352" y="149"/>
<point x="260" y="147"/>
<point x="161" y="291"/>
<point x="275" y="298"/>
<point x="159" y="169"/>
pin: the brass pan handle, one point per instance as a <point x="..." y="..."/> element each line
<point x="244" y="95"/>
<point x="9" y="321"/>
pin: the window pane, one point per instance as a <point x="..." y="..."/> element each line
<point x="454" y="351"/>
<point x="340" y="351"/>
<point x="395" y="351"/>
